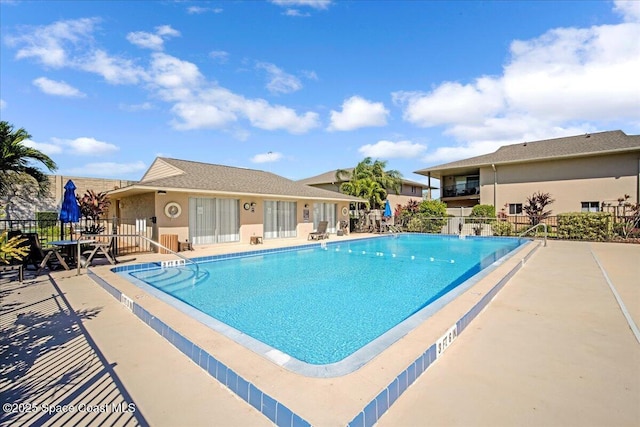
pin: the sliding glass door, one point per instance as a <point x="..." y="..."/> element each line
<point x="325" y="212"/>
<point x="280" y="219"/>
<point x="213" y="220"/>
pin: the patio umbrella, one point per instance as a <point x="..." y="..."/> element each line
<point x="387" y="210"/>
<point x="70" y="211"/>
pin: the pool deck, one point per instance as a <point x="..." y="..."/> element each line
<point x="552" y="348"/>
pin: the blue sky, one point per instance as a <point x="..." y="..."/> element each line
<point x="302" y="87"/>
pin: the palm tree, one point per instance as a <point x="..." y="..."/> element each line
<point x="16" y="161"/>
<point x="370" y="180"/>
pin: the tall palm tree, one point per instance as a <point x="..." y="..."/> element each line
<point x="16" y="161"/>
<point x="363" y="177"/>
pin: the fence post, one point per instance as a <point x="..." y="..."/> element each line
<point x="114" y="232"/>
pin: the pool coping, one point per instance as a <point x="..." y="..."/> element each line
<point x="358" y="398"/>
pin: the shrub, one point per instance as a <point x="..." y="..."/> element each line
<point x="433" y="208"/>
<point x="595" y="226"/>
<point x="485" y="211"/>
<point x="502" y="228"/>
<point x="47" y="219"/>
<point x="421" y="223"/>
<point x="481" y="214"/>
<point x="534" y="208"/>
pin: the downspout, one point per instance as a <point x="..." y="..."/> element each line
<point x="495" y="186"/>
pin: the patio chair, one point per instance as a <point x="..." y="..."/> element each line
<point x="40" y="257"/>
<point x="101" y="248"/>
<point x="321" y="232"/>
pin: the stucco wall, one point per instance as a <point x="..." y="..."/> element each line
<point x="251" y="220"/>
<point x="569" y="181"/>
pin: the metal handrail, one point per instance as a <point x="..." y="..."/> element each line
<point x="153" y="242"/>
<point x="533" y="228"/>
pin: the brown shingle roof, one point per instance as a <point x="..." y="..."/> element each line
<point x="330" y="178"/>
<point x="227" y="179"/>
<point x="573" y="146"/>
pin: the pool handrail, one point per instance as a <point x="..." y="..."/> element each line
<point x="533" y="228"/>
<point x="189" y="260"/>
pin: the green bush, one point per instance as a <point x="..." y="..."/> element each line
<point x="421" y="223"/>
<point x="49" y="218"/>
<point x="502" y="228"/>
<point x="596" y="226"/>
<point x="433" y="208"/>
<point x="485" y="211"/>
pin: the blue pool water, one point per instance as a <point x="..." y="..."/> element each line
<point x="321" y="304"/>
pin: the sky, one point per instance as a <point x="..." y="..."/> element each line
<point x="302" y="87"/>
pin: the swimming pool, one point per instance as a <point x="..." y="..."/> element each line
<point x="326" y="307"/>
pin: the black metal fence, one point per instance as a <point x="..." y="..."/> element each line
<point x="126" y="230"/>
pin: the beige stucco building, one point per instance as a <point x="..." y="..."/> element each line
<point x="209" y="204"/>
<point x="582" y="173"/>
<point x="409" y="190"/>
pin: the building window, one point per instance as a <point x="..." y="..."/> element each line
<point x="413" y="189"/>
<point x="515" y="208"/>
<point x="590" y="207"/>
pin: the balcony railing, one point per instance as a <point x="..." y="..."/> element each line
<point x="460" y="190"/>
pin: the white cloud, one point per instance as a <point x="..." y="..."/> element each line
<point x="108" y="169"/>
<point x="195" y="102"/>
<point x="153" y="41"/>
<point x="452" y="102"/>
<point x="167" y="31"/>
<point x="3" y="104"/>
<point x="358" y="112"/>
<point x="296" y="13"/>
<point x="200" y="115"/>
<point x="176" y="79"/>
<point x="266" y="157"/>
<point x="85" y="146"/>
<point x="219" y="55"/>
<point x="197" y="10"/>
<point x="389" y="149"/>
<point x="565" y="82"/>
<point x="263" y="115"/>
<point x="316" y="4"/>
<point x="52" y="87"/>
<point x="113" y="69"/>
<point x="51" y="44"/>
<point x="279" y="81"/>
<point x="311" y="75"/>
<point x="629" y="9"/>
<point x="132" y="108"/>
<point x="146" y="40"/>
<point x="46" y="148"/>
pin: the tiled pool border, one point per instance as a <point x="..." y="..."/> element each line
<point x="276" y="411"/>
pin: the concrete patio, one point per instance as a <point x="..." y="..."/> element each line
<point x="553" y="348"/>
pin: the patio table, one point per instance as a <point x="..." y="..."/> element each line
<point x="59" y="244"/>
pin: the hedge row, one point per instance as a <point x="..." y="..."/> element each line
<point x="595" y="226"/>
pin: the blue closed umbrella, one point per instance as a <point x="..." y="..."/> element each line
<point x="387" y="210"/>
<point x="70" y="211"/>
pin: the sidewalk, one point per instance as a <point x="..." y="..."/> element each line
<point x="552" y="349"/>
<point x="68" y="344"/>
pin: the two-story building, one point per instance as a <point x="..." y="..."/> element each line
<point x="409" y="190"/>
<point x="582" y="173"/>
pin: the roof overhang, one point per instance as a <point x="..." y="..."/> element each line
<point x="439" y="171"/>
<point x="135" y="190"/>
